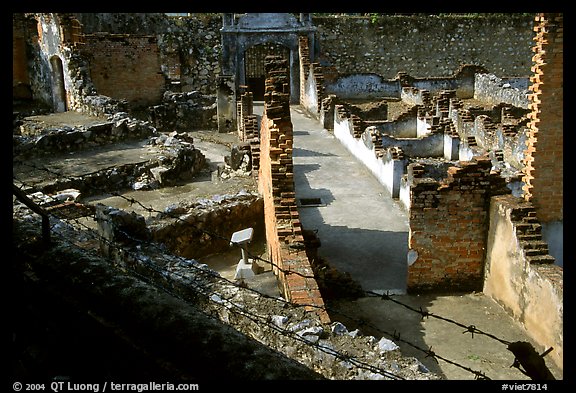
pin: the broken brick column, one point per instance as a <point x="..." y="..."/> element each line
<point x="284" y="236"/>
<point x="248" y="128"/>
<point x="544" y="152"/>
<point x="312" y="90"/>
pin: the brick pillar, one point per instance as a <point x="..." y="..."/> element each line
<point x="284" y="235"/>
<point x="543" y="176"/>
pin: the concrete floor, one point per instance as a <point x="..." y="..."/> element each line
<point x="362" y="229"/>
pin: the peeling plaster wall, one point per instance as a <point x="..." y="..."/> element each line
<point x="387" y="170"/>
<point x="48" y="47"/>
<point x="531" y="292"/>
<point x="491" y="89"/>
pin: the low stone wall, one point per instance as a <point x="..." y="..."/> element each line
<point x="176" y="160"/>
<point x="37" y="140"/>
<point x="184" y="112"/>
<point x="182" y="338"/>
<point x="196" y="229"/>
<point x="521" y="276"/>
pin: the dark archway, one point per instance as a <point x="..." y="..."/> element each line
<point x="58" y="87"/>
<point x="240" y="32"/>
<point x="254" y="71"/>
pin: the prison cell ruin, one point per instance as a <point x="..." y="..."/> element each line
<point x="456" y="158"/>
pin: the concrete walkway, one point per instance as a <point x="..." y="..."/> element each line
<point x="363" y="231"/>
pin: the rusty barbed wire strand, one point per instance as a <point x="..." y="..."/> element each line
<point x="238" y="309"/>
<point x="243" y="312"/>
<point x="468" y="328"/>
<point x="425" y="314"/>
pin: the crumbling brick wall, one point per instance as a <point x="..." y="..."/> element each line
<point x="126" y="67"/>
<point x="448" y="226"/>
<point x="276" y="184"/>
<point x="544" y="152"/>
<point x="312" y="90"/>
<point x="247" y="128"/>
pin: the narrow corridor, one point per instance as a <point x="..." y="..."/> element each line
<point x="362" y="230"/>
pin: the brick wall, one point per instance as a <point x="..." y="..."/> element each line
<point x="276" y="184"/>
<point x="448" y="226"/>
<point x="125" y="67"/>
<point x="544" y="153"/>
<point x="312" y="90"/>
<point x="247" y="128"/>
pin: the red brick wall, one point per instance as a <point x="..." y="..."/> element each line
<point x="544" y="154"/>
<point x="125" y="67"/>
<point x="448" y="226"/>
<point x="276" y="184"/>
<point x="307" y="69"/>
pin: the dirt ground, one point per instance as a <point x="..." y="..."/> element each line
<point x="371" y="315"/>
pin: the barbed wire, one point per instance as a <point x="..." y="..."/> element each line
<point x="428" y="351"/>
<point x="222" y="301"/>
<point x="214" y="274"/>
<point x="425" y="314"/>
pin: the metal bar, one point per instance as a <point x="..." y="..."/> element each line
<point x="22" y="197"/>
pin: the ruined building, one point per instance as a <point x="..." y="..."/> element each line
<point x="465" y="133"/>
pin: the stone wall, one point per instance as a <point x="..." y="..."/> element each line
<point x="276" y="185"/>
<point x="36" y="139"/>
<point x="384" y="46"/>
<point x="184" y="112"/>
<point x="426" y="45"/>
<point x="194" y="229"/>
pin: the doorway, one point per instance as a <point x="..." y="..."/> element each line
<point x="58" y="88"/>
<point x="254" y="70"/>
